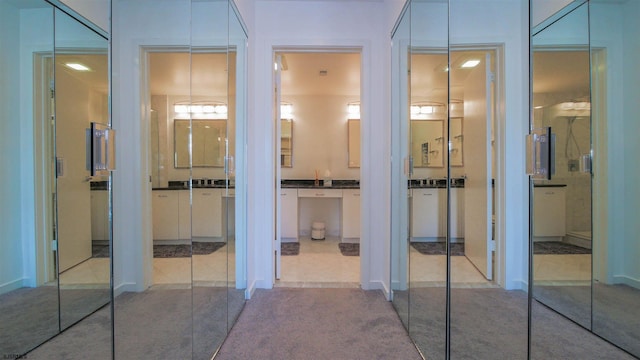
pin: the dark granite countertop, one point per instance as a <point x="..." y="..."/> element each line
<point x="436" y="183"/>
<point x="311" y="184"/>
<point x="197" y="184"/>
<point x="549" y="185"/>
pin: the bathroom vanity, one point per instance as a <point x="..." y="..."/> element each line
<point x="173" y="208"/>
<point x="297" y="196"/>
<point x="429" y="211"/>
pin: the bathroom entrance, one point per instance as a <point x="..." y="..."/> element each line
<point x="317" y="153"/>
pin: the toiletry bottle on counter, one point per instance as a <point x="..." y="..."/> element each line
<point x="327" y="178"/>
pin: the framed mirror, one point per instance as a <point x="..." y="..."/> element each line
<point x="208" y="143"/>
<point x="427" y="143"/>
<point x="286" y="143"/>
<point x="353" y="133"/>
<point x="456" y="139"/>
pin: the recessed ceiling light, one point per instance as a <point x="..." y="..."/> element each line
<point x="78" y="67"/>
<point x="470" y="63"/>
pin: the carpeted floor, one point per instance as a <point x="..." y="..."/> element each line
<point x="29" y="316"/>
<point x="290" y="323"/>
<point x="438" y="248"/>
<point x="615" y="311"/>
<point x="492" y="324"/>
<point x="557" y="248"/>
<point x="349" y="249"/>
<point x="289" y="248"/>
<point x="155" y="324"/>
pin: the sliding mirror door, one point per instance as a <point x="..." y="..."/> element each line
<point x="56" y="214"/>
<point x="426" y="145"/>
<point x="236" y="176"/>
<point x="562" y="199"/>
<point x="82" y="197"/>
<point x="615" y="52"/>
<point x="28" y="269"/>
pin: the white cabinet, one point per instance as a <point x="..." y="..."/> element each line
<point x="351" y="214"/>
<point x="207" y="213"/>
<point x="549" y="211"/>
<point x="165" y="215"/>
<point x="428" y="213"/>
<point x="184" y="215"/>
<point x="289" y="214"/>
<point x="99" y="215"/>
<point x="326" y="193"/>
<point x="457" y="213"/>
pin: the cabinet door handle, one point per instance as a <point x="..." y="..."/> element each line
<point x="428" y="194"/>
<point x="206" y="194"/>
<point x="163" y="196"/>
<point x="283" y="194"/>
<point x="319" y="194"/>
<point x="549" y="193"/>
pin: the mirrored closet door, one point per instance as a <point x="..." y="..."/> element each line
<point x="189" y="271"/>
<point x="56" y="211"/>
<point x="448" y="263"/>
<point x="584" y="261"/>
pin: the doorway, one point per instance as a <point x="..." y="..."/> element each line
<point x="317" y="158"/>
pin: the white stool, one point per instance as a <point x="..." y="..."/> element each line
<point x="317" y="230"/>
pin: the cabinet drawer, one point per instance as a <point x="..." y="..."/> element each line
<point x="327" y="193"/>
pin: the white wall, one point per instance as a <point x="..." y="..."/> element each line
<point x="631" y="128"/>
<point x="542" y="9"/>
<point x="320" y="137"/>
<point x="353" y="24"/>
<point x="96" y="11"/>
<point x="11" y="262"/>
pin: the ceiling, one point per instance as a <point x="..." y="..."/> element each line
<point x="96" y="78"/>
<point x="301" y="74"/>
<point x="555" y="71"/>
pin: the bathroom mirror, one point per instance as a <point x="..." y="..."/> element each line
<point x="456" y="157"/>
<point x="353" y="134"/>
<point x="286" y="143"/>
<point x="427" y="143"/>
<point x="562" y="205"/>
<point x="208" y="143"/>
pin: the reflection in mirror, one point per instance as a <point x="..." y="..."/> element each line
<point x="81" y="95"/>
<point x="400" y="42"/>
<point x="353" y="134"/>
<point x="28" y="275"/>
<point x="457" y="142"/>
<point x="562" y="205"/>
<point x="208" y="142"/>
<point x="615" y="54"/>
<point x="286" y="143"/>
<point x="427" y="143"/>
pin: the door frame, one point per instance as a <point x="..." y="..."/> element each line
<point x="276" y="96"/>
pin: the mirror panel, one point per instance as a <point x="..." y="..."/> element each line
<point x="82" y="201"/>
<point x="237" y="178"/>
<point x="208" y="143"/>
<point x="28" y="272"/>
<point x="353" y="134"/>
<point x="614" y="88"/>
<point x="427" y="211"/>
<point x="427" y="143"/>
<point x="400" y="60"/>
<point x="562" y="205"/>
<point x="286" y="143"/>
<point x="457" y="141"/>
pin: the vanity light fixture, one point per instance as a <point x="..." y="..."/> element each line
<point x="354" y="110"/>
<point x="421" y="111"/>
<point x="576" y="105"/>
<point x="286" y="111"/>
<point x="204" y="109"/>
<point x="470" y="63"/>
<point x="77" y="66"/>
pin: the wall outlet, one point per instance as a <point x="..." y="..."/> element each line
<point x="573" y="165"/>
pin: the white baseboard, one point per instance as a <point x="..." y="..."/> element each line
<point x="126" y="287"/>
<point x="12" y="285"/>
<point x="627" y="280"/>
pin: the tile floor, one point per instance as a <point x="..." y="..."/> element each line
<point x="320" y="264"/>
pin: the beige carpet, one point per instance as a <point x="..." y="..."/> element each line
<point x="294" y="323"/>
